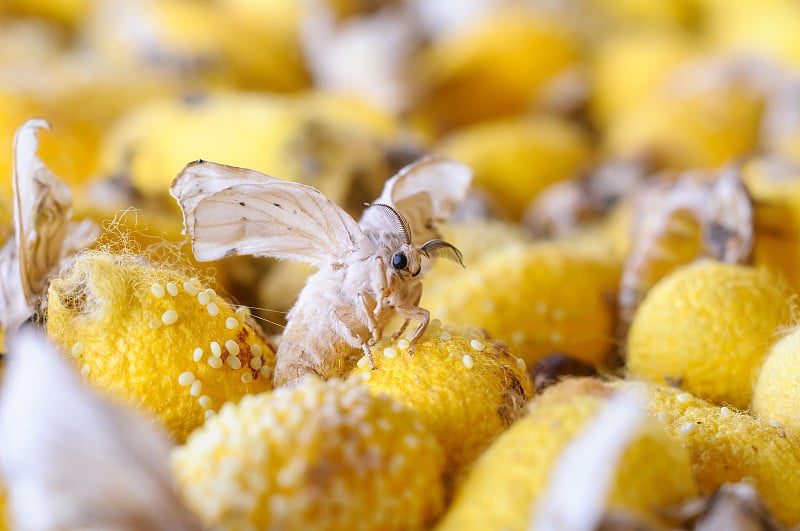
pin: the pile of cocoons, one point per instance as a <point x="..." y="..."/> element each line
<point x="619" y="349"/>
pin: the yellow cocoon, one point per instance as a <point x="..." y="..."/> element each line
<point x="708" y="326"/>
<point x="324" y="455"/>
<point x="700" y="128"/>
<point x="476" y="239"/>
<point x="484" y="70"/>
<point x="727" y="446"/>
<point x="650" y="15"/>
<point x="465" y="390"/>
<point x="504" y="484"/>
<point x="5" y="525"/>
<point x="156" y="338"/>
<point x="539" y="299"/>
<point x="628" y="66"/>
<point x="776" y="395"/>
<point x="766" y="29"/>
<point x="71" y="13"/>
<point x="515" y="159"/>
<point x="325" y="142"/>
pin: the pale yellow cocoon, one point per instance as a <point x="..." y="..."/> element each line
<point x="727" y="446"/>
<point x="476" y="239"/>
<point x="761" y="29"/>
<point x="708" y="326"/>
<point x="115" y="316"/>
<point x="325" y="455"/>
<point x="629" y="65"/>
<point x="539" y="299"/>
<point x="776" y="395"/>
<point x="328" y="143"/>
<point x="79" y="98"/>
<point x="483" y="70"/>
<point x="504" y="484"/>
<point x="515" y="159"/>
<point x="463" y="395"/>
<point x="704" y="128"/>
<point x="225" y="43"/>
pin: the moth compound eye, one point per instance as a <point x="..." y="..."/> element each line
<point x="399" y="261"/>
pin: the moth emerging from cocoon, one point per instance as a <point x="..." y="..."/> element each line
<point x="369" y="271"/>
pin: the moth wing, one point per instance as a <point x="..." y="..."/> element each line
<point x="14" y="308"/>
<point x="425" y="192"/>
<point x="97" y="464"/>
<point x="42" y="210"/>
<point x="235" y="211"/>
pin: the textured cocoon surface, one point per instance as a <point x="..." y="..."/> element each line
<point x="132" y="338"/>
<point x="505" y="483"/>
<point x="776" y="395"/>
<point x="538" y="299"/>
<point x="727" y="446"/>
<point x="465" y="396"/>
<point x="708" y="326"/>
<point x="325" y="455"/>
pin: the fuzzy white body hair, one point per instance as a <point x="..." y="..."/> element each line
<point x="368" y="271"/>
<point x="338" y="313"/>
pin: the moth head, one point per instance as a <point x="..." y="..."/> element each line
<point x="408" y="257"/>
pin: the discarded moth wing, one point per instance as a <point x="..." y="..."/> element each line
<point x="365" y="54"/>
<point x="368" y="272"/>
<point x="585" y="472"/>
<point x="44" y="236"/>
<point x="42" y="208"/>
<point x="564" y="206"/>
<point x="72" y="460"/>
<point x="731" y="506"/>
<point x="678" y="222"/>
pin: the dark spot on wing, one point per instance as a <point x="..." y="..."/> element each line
<point x="243" y="218"/>
<point x="241" y="203"/>
<point x="230" y="252"/>
<point x="277" y="205"/>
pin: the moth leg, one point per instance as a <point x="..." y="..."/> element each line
<point x="368" y="354"/>
<point x="372" y="323"/>
<point x="422" y="315"/>
<point x="381" y="286"/>
<point x="416" y="296"/>
<point x="402" y="329"/>
<point x="340" y="322"/>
